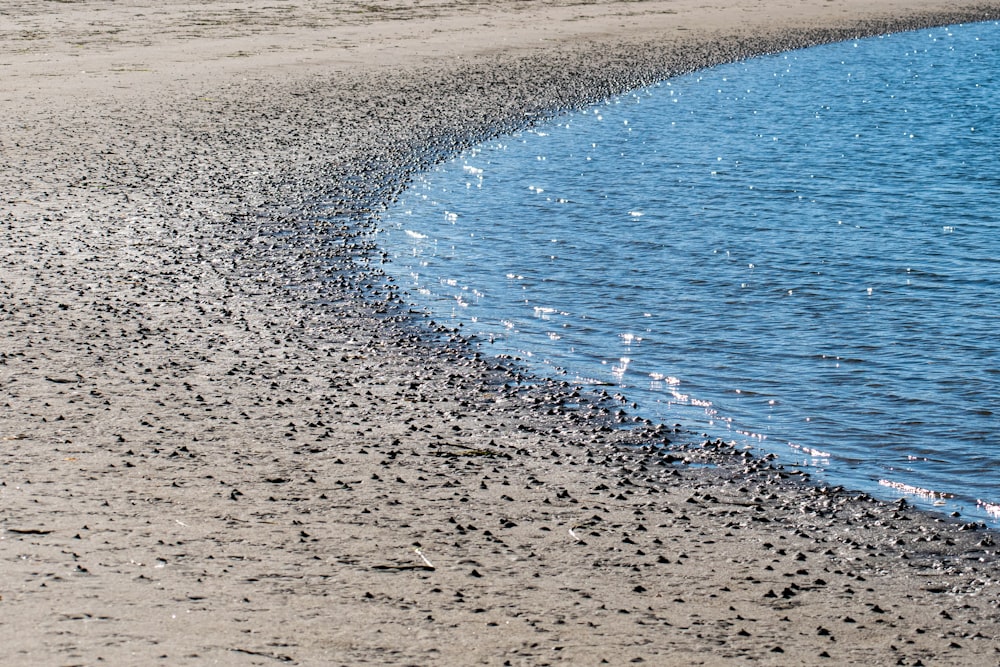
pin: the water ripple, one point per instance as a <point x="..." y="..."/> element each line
<point x="799" y="251"/>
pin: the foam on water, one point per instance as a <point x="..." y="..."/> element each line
<point x="798" y="252"/>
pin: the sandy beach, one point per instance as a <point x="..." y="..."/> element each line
<point x="224" y="439"/>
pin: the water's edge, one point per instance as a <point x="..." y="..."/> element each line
<point x="929" y="499"/>
<point x="363" y="198"/>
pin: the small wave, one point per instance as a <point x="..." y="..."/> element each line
<point x="543" y="312"/>
<point x="993" y="509"/>
<point x="915" y="490"/>
<point x="810" y="451"/>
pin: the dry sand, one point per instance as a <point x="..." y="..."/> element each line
<point x="223" y="440"/>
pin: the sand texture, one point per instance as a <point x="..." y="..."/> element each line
<point x="223" y="439"/>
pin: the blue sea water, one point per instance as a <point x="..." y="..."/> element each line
<point x="798" y="252"/>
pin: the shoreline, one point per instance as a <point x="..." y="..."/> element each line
<point x="221" y="444"/>
<point x="942" y="501"/>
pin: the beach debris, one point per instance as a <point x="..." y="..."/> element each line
<point x="425" y="565"/>
<point x="463" y="451"/>
<point x="273" y="656"/>
<point x="423" y="558"/>
<point x="402" y="566"/>
<point x="75" y="380"/>
<point x="29" y="531"/>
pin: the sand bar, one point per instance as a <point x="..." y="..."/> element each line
<point x="224" y="442"/>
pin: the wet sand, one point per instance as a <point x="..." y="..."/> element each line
<point x="224" y="439"/>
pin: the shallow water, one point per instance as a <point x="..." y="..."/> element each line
<point x="798" y="252"/>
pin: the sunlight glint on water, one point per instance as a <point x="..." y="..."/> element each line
<point x="799" y="251"/>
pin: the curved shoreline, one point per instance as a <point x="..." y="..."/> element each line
<point x="944" y="499"/>
<point x="217" y="447"/>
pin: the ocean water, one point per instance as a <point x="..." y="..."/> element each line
<point x="798" y="252"/>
